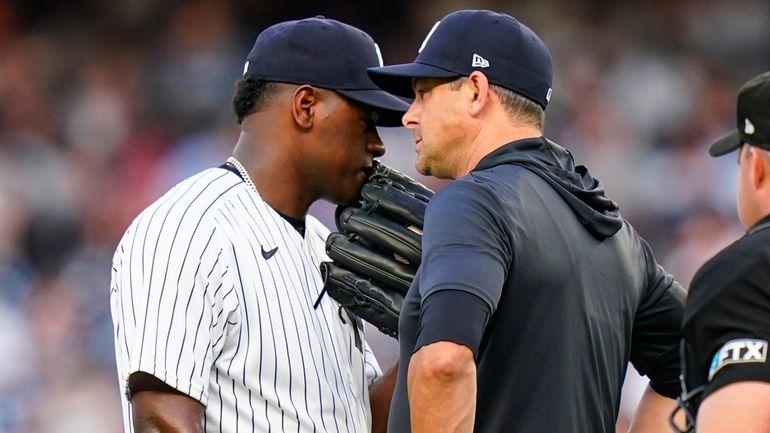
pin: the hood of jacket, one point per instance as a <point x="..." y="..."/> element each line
<point x="582" y="192"/>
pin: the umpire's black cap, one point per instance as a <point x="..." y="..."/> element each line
<point x="326" y="53"/>
<point x="509" y="53"/>
<point x="753" y="118"/>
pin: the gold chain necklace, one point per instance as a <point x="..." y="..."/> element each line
<point x="244" y="174"/>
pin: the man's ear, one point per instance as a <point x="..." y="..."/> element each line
<point x="479" y="85"/>
<point x="303" y="104"/>
<point x="759" y="161"/>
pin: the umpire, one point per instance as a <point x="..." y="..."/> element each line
<point x="727" y="318"/>
<point x="556" y="291"/>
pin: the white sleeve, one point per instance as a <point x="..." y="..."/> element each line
<point x="171" y="296"/>
<point x="316" y="238"/>
<point x="372" y="369"/>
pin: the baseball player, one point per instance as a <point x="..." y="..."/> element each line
<point x="214" y="285"/>
<point x="727" y="318"/>
<point x="556" y="291"/>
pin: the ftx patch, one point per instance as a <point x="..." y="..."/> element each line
<point x="741" y="351"/>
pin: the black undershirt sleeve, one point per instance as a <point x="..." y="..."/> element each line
<point x="657" y="330"/>
<point x="467" y="253"/>
<point x="453" y="315"/>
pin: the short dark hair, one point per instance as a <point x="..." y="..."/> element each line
<point x="520" y="106"/>
<point x="517" y="105"/>
<point x="250" y="96"/>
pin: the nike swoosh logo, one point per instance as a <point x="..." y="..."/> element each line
<point x="268" y="254"/>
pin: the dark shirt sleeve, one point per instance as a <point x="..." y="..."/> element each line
<point x="467" y="248"/>
<point x="657" y="329"/>
<point x="453" y="315"/>
<point x="732" y="331"/>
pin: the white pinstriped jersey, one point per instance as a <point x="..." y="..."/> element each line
<point x="198" y="301"/>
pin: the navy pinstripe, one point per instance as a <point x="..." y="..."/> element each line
<point x="195" y="304"/>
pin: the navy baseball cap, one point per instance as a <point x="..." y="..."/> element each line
<point x="506" y="51"/>
<point x="325" y="53"/>
<point x="753" y="118"/>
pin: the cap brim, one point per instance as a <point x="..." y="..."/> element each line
<point x="397" y="79"/>
<point x="391" y="108"/>
<point x="725" y="144"/>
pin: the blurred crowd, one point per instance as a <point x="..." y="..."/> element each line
<point x="105" y="105"/>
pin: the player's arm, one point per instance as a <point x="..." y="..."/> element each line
<point x="380" y="395"/>
<point x="442" y="388"/>
<point x="657" y="331"/>
<point x="156" y="344"/>
<point x="652" y="413"/>
<point x="441" y="379"/>
<point x="740" y="407"/>
<point x="655" y="346"/>
<point x="462" y="274"/>
<point x="159" y="408"/>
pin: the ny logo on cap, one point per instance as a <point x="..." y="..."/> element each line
<point x="748" y="127"/>
<point x="479" y="62"/>
<point x="430" y="33"/>
<point x="379" y="54"/>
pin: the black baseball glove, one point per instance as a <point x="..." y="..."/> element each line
<point x="376" y="250"/>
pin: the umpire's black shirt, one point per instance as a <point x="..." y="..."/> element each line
<point x="527" y="263"/>
<point x="727" y="319"/>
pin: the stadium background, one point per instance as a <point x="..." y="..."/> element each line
<point x="106" y="104"/>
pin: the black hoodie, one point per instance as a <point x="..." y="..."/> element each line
<point x="527" y="263"/>
<point x="554" y="164"/>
